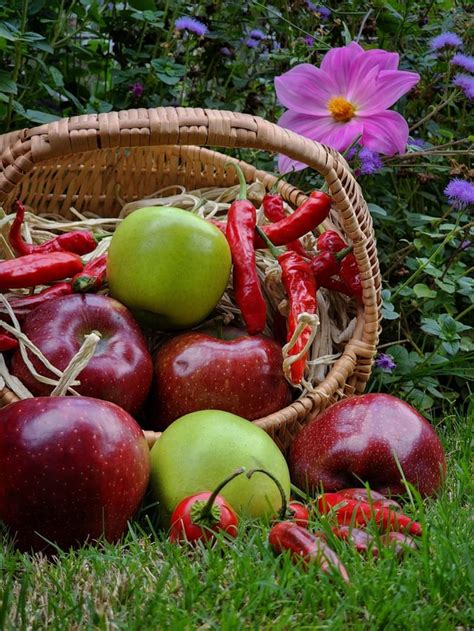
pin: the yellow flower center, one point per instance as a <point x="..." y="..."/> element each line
<point x="341" y="110"/>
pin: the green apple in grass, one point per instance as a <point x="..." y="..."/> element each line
<point x="168" y="266"/>
<point x="199" y="450"/>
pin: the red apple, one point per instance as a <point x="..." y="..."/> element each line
<point x="235" y="373"/>
<point x="121" y="368"/>
<point x="361" y="439"/>
<point x="72" y="469"/>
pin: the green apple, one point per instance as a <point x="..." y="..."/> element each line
<point x="168" y="266"/>
<point x="199" y="450"/>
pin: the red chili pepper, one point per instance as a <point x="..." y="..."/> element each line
<point x="219" y="224"/>
<point x="200" y="516"/>
<point x="25" y="304"/>
<point x="38" y="269"/>
<point x="327" y="264"/>
<point x="92" y="276"/>
<point x="300" y="286"/>
<point x="241" y="222"/>
<point x="356" y="513"/>
<point x="350" y="276"/>
<point x="7" y="342"/>
<point x="330" y="241"/>
<point x="286" y="535"/>
<point x="304" y="219"/>
<point x="274" y="211"/>
<point x="370" y="497"/>
<point x="336" y="285"/>
<point x="78" y="241"/>
<point x="362" y="540"/>
<point x="399" y="541"/>
<point x="299" y="513"/>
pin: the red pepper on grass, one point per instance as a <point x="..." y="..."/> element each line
<point x="362" y="540"/>
<point x="300" y="286"/>
<point x="92" y="277"/>
<point x="38" y="269"/>
<point x="370" y="497"/>
<point x="200" y="516"/>
<point x="304" y="219"/>
<point x="400" y="542"/>
<point x="25" y="304"/>
<point x="357" y="513"/>
<point x="306" y="546"/>
<point x="241" y="222"/>
<point x="78" y="241"/>
<point x="7" y="342"/>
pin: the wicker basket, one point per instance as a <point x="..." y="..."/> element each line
<point x="85" y="161"/>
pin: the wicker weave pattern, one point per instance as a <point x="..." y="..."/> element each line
<point x="91" y="161"/>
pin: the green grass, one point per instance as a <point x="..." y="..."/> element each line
<point x="147" y="583"/>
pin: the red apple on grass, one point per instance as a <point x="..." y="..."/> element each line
<point x="361" y="439"/>
<point x="121" y="367"/>
<point x="221" y="369"/>
<point x="72" y="469"/>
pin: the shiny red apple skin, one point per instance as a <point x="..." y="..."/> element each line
<point x="72" y="469"/>
<point x="198" y="371"/>
<point x="354" y="440"/>
<point x="121" y="369"/>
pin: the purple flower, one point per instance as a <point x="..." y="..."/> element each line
<point x="225" y="51"/>
<point x="385" y="362"/>
<point x="137" y="89"/>
<point x="460" y="193"/>
<point x="466" y="83"/>
<point x="309" y="41"/>
<point x="463" y="61"/>
<point x="250" y="42"/>
<point x="257" y="34"/>
<point x="324" y="13"/>
<point x="465" y="245"/>
<point x="346" y="97"/>
<point x="192" y="25"/>
<point x="370" y="161"/>
<point x="418" y="142"/>
<point x="446" y="40"/>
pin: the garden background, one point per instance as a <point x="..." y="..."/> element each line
<point x="62" y="58"/>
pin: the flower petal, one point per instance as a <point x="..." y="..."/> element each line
<point x="338" y="64"/>
<point x="305" y="89"/>
<point x="324" y="130"/>
<point x="383" y="59"/>
<point x="386" y="133"/>
<point x="390" y="86"/>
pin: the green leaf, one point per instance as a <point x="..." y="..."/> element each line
<point x="9" y="32"/>
<point x="423" y="291"/>
<point x="451" y="347"/>
<point x="40" y="117"/>
<point x="430" y="326"/>
<point x="377" y="210"/>
<point x="446" y="285"/>
<point x="7" y="85"/>
<point x="47" y="48"/>
<point x="168" y="71"/>
<point x="56" y="76"/>
<point x="31" y="37"/>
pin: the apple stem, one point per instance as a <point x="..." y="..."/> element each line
<point x="276" y="252"/>
<point x="207" y="509"/>
<point x="282" y="513"/>
<point x="243" y="184"/>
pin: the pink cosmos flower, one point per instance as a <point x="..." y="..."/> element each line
<point x="346" y="97"/>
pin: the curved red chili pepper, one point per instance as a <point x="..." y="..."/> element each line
<point x="304" y="545"/>
<point x="241" y="222"/>
<point x="22" y="306"/>
<point x="370" y="497"/>
<point x="38" y="269"/>
<point x="362" y="540"/>
<point x="356" y="513"/>
<point x="304" y="219"/>
<point x="330" y="241"/>
<point x="326" y="264"/>
<point x="350" y="275"/>
<point x="92" y="277"/>
<point x="78" y="241"/>
<point x="273" y="210"/>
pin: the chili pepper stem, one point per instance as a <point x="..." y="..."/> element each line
<point x="278" y="180"/>
<point x="284" y="504"/>
<point x="343" y="253"/>
<point x="276" y="252"/>
<point x="240" y="174"/>
<point x="207" y="509"/>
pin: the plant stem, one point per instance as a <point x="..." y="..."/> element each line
<point x="18" y="58"/>
<point x="207" y="510"/>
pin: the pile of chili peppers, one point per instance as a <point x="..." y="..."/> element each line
<point x="201" y="516"/>
<point x="49" y="263"/>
